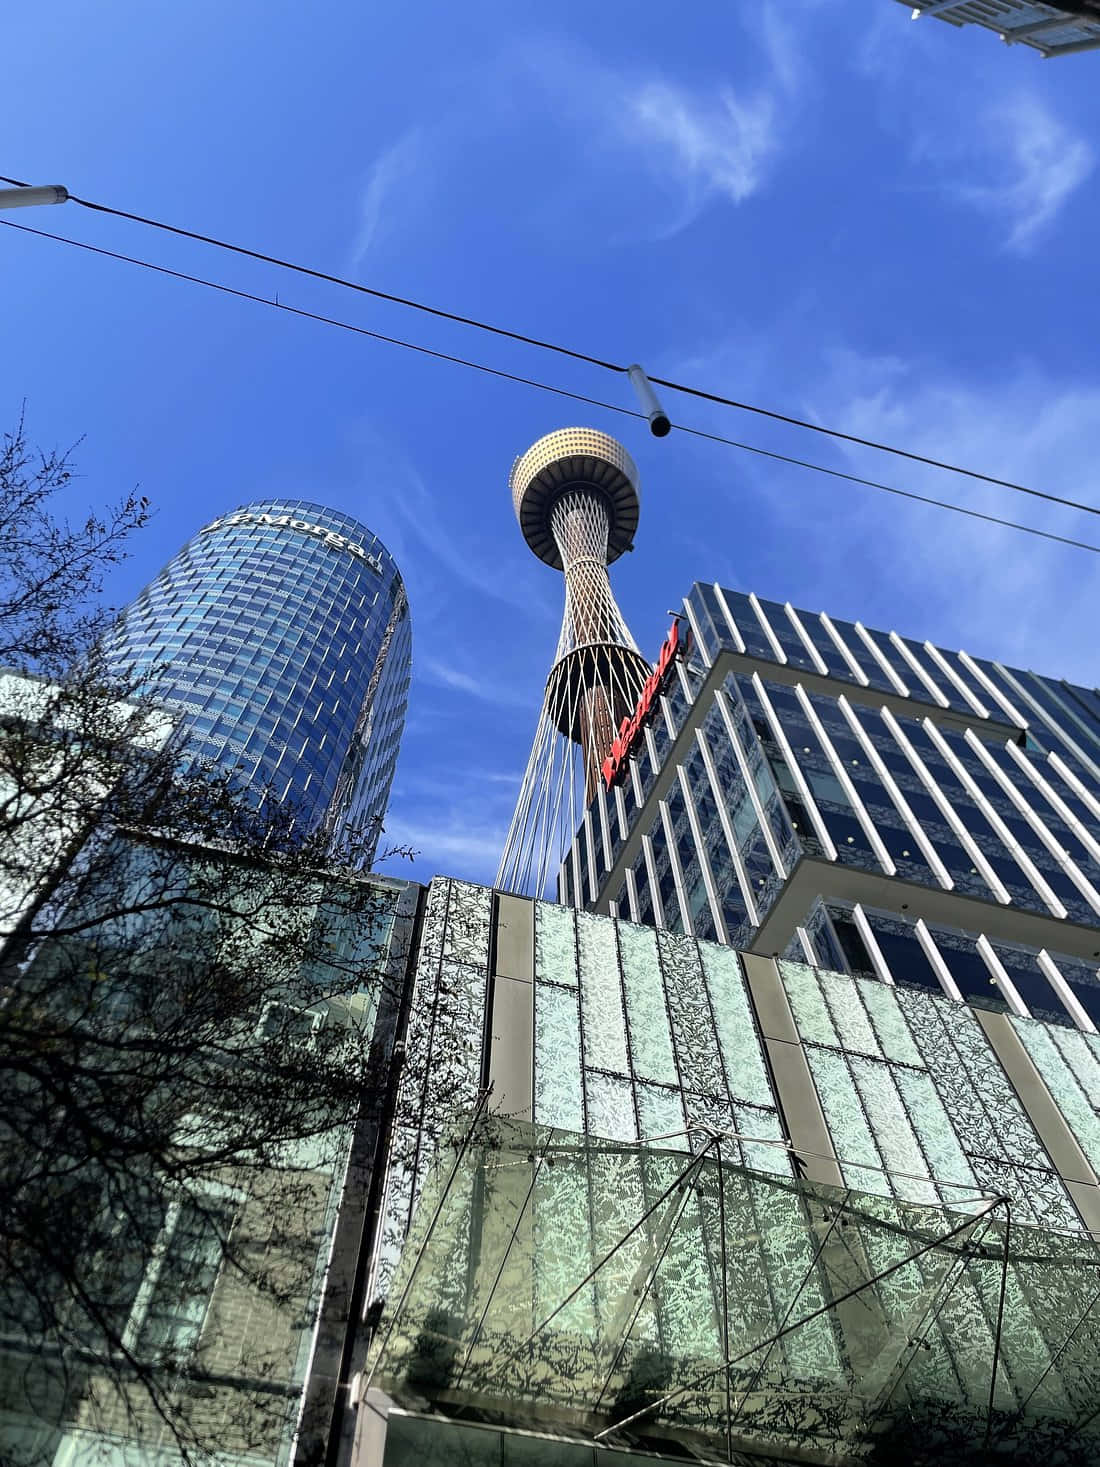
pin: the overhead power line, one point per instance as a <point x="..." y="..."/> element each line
<point x="974" y="514"/>
<point x="263" y="300"/>
<point x="548" y="387"/>
<point x="570" y="352"/>
<point x="382" y="295"/>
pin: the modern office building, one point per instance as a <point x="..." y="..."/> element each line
<point x="861" y="801"/>
<point x="199" y="1311"/>
<point x="649" y="1198"/>
<point x="633" y="1196"/>
<point x="638" y="1195"/>
<point x="279" y="638"/>
<point x="1060" y="29"/>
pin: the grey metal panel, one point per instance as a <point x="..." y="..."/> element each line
<point x="512" y="1049"/>
<point x="802" y="1112"/>
<point x="1044" y="1113"/>
<point x="794" y="1086"/>
<point x="1085" y="1200"/>
<point x="512" y="1021"/>
<point x="773" y="1012"/>
<point x="515" y="937"/>
<point x="372" y="1417"/>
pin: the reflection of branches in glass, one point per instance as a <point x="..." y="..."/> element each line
<point x="196" y="1014"/>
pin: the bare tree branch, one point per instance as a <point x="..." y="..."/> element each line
<point x="196" y="1004"/>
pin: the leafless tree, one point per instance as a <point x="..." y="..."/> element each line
<point x="196" y="1009"/>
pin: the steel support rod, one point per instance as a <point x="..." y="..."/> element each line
<point x="788" y="1329"/>
<point x="459" y="1156"/>
<point x="680" y="1179"/>
<point x="1000" y="1323"/>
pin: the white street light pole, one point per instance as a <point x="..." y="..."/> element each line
<point x="23" y="198"/>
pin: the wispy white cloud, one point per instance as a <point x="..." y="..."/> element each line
<point x="488" y="690"/>
<point x="431" y="786"/>
<point x="672" y="146"/>
<point x="720" y="143"/>
<point x="422" y="520"/>
<point x="780" y="32"/>
<point x="858" y="553"/>
<point x="1009" y="156"/>
<point x="1035" y="161"/>
<point x="961" y="580"/>
<point x="390" y="172"/>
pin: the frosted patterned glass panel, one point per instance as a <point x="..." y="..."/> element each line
<point x="660" y="1112"/>
<point x="1079" y="1053"/>
<point x="1069" y="1095"/>
<point x="435" y="917"/>
<point x="1015" y="1133"/>
<point x="810" y="1012"/>
<point x="742" y="1055"/>
<point x="610" y="1107"/>
<point x="688" y="1310"/>
<point x="751" y="1121"/>
<point x="647" y="1012"/>
<point x="792" y="1283"/>
<point x="601" y="994"/>
<point x="1003" y="1149"/>
<point x="696" y="1042"/>
<point x="709" y="1113"/>
<point x="845" y="1005"/>
<point x="558" y="1085"/>
<point x="895" y="1136"/>
<point x="555" y="944"/>
<point x="936" y="1133"/>
<point x="560" y="1207"/>
<point x="847" y="1122"/>
<point x="889" y="1022"/>
<point x="468" y="923"/>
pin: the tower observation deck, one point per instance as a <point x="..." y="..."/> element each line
<point x="575" y="494"/>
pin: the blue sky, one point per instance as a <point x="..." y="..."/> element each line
<point x="818" y="206"/>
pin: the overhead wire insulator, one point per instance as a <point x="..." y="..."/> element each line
<point x="659" y="424"/>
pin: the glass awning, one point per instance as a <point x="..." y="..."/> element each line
<point x="674" y="1300"/>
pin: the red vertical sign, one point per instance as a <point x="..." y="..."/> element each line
<point x="628" y="729"/>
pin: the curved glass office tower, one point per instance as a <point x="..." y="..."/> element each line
<point x="280" y="636"/>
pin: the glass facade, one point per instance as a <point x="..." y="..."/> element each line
<point x="189" y="1300"/>
<point x="746" y="1316"/>
<point x="280" y="638"/>
<point x="861" y="800"/>
<point x="748" y="1208"/>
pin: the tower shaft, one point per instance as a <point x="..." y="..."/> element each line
<point x="576" y="498"/>
<point x="598" y="671"/>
